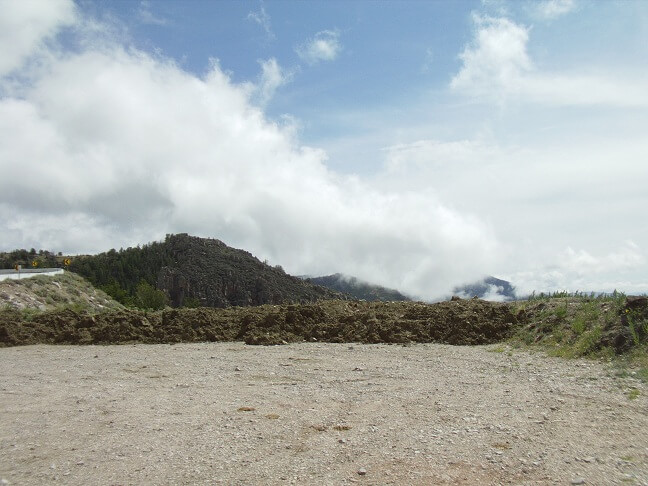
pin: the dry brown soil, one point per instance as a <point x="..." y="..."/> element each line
<point x="227" y="413"/>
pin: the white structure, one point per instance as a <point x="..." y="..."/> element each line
<point x="29" y="272"/>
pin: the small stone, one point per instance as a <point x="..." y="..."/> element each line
<point x="578" y="481"/>
<point x="589" y="459"/>
<point x="237" y="369"/>
<point x="342" y="441"/>
<point x="362" y="471"/>
<point x="3" y="481"/>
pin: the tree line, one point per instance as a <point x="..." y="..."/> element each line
<point x="127" y="275"/>
<point x="31" y="258"/>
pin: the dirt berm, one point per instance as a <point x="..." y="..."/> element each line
<point x="456" y="322"/>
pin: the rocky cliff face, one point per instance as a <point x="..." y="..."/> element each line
<point x="209" y="273"/>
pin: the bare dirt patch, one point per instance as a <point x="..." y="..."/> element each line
<point x="311" y="413"/>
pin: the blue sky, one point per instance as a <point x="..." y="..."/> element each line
<point x="395" y="58"/>
<point x="418" y="145"/>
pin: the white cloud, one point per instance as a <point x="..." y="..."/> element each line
<point x="581" y="270"/>
<point x="325" y="46"/>
<point x="562" y="211"/>
<point x="497" y="58"/>
<point x="147" y="16"/>
<point x="26" y="25"/>
<point x="582" y="262"/>
<point x="550" y="9"/>
<point x="271" y="78"/>
<point x="122" y="148"/>
<point x="497" y="67"/>
<point x="262" y="18"/>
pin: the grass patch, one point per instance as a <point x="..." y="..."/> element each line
<point x="604" y="327"/>
<point x="500" y="348"/>
<point x="633" y="393"/>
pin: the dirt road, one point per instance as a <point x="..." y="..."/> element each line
<point x="227" y="413"/>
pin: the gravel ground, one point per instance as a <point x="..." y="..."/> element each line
<point x="227" y="413"/>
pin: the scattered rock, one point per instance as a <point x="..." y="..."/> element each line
<point x="362" y="471"/>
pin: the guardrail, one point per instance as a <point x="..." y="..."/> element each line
<point x="29" y="272"/>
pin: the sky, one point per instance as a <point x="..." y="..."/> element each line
<point x="416" y="145"/>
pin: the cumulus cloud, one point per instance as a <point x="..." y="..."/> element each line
<point x="111" y="147"/>
<point x="26" y="26"/>
<point x="497" y="56"/>
<point x="324" y="46"/>
<point x="497" y="67"/>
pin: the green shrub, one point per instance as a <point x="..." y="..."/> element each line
<point x="191" y="303"/>
<point x="148" y="297"/>
<point x="578" y="326"/>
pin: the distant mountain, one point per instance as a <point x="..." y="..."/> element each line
<point x="490" y="288"/>
<point x="197" y="272"/>
<point x="358" y="289"/>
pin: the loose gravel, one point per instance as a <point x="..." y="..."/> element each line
<point x="312" y="413"/>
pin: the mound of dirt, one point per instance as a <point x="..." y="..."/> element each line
<point x="632" y="327"/>
<point x="44" y="293"/>
<point x="458" y="322"/>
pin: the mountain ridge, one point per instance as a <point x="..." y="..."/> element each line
<point x="359" y="289"/>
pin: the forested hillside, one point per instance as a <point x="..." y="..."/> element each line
<point x="192" y="272"/>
